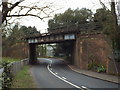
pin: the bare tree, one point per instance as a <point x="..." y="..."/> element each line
<point x="113" y="10"/>
<point x="18" y="9"/>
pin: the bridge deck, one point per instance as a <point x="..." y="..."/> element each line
<point x="59" y="35"/>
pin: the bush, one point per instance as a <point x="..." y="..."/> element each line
<point x="101" y="68"/>
<point x="7" y="75"/>
<point x="92" y="66"/>
<point x="95" y="67"/>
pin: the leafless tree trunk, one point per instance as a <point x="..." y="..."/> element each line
<point x="8" y="7"/>
<point x="113" y="10"/>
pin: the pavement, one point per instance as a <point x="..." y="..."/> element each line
<point x="103" y="76"/>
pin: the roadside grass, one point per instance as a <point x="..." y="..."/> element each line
<point x="8" y="59"/>
<point x="23" y="79"/>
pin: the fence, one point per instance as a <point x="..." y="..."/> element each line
<point x="15" y="67"/>
<point x="1" y="71"/>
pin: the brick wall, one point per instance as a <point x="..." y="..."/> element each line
<point x="92" y="48"/>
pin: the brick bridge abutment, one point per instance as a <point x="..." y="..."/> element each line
<point x="88" y="49"/>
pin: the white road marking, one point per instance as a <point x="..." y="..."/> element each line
<point x="63" y="79"/>
<point x="85" y="88"/>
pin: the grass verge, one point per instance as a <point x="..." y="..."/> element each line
<point x="7" y="59"/>
<point x="23" y="79"/>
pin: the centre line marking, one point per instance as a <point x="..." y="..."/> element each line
<point x="64" y="79"/>
<point x="85" y="88"/>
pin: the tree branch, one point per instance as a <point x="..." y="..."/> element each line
<point x="14" y="5"/>
<point x="6" y="9"/>
<point x="29" y="10"/>
<point x="27" y="15"/>
<point x="103" y="5"/>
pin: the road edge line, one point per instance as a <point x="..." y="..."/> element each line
<point x="64" y="79"/>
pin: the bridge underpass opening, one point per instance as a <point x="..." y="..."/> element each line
<point x="56" y="37"/>
<point x="80" y="37"/>
<point x="63" y="50"/>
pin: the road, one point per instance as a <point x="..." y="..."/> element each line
<point x="54" y="73"/>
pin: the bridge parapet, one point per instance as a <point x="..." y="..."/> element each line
<point x="60" y="35"/>
<point x="51" y="38"/>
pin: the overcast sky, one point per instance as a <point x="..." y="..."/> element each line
<point x="64" y="4"/>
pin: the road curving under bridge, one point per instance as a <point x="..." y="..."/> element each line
<point x="54" y="73"/>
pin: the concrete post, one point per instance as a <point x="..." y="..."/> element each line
<point x="32" y="54"/>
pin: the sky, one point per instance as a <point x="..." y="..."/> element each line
<point x="61" y="5"/>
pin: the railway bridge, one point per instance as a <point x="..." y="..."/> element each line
<point x="61" y="35"/>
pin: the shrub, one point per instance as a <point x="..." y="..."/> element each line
<point x="95" y="67"/>
<point x="101" y="68"/>
<point x="7" y="75"/>
<point x="92" y="66"/>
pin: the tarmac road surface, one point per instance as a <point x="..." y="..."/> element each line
<point x="54" y="73"/>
